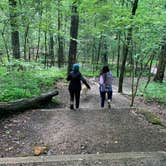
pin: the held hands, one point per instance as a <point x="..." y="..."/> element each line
<point x="88" y="86"/>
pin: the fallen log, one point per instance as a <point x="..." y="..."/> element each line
<point x="24" y="104"/>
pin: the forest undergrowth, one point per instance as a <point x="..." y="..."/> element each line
<point x="28" y="82"/>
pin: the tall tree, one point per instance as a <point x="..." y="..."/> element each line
<point x="118" y="53"/>
<point x="60" y="38"/>
<point x="105" y="52"/>
<point x="51" y="50"/>
<point x="14" y="29"/>
<point x="73" y="35"/>
<point x="25" y="40"/>
<point x="126" y="48"/>
<point x="5" y="42"/>
<point x="162" y="59"/>
<point x="40" y="12"/>
<point x="99" y="50"/>
<point x="162" y="63"/>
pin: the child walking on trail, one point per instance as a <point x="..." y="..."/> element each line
<point x="105" y="86"/>
<point x="75" y="78"/>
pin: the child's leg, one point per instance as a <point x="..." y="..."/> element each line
<point x="77" y="97"/>
<point x="102" y="94"/>
<point x="109" y="95"/>
<point x="71" y="99"/>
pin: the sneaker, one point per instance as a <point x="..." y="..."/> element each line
<point x="71" y="107"/>
<point x="77" y="109"/>
<point x="109" y="104"/>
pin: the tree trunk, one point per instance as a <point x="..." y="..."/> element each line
<point x="25" y="41"/>
<point x="161" y="66"/>
<point x="105" y="52"/>
<point x="99" y="51"/>
<point x="126" y="48"/>
<point x="60" y="38"/>
<point x="38" y="44"/>
<point x="51" y="50"/>
<point x="149" y="73"/>
<point x="73" y="36"/>
<point x="135" y="85"/>
<point x="29" y="53"/>
<point x="5" y="43"/>
<point x="118" y="58"/>
<point x="14" y="29"/>
<point x="60" y="52"/>
<point x="39" y="30"/>
<point x="45" y="50"/>
<point x="122" y="69"/>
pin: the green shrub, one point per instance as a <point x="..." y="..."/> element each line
<point x="24" y="84"/>
<point x="155" y="91"/>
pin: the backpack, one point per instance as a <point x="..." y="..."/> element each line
<point x="107" y="85"/>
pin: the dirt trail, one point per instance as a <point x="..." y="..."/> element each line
<point x="92" y="99"/>
<point x="89" y="130"/>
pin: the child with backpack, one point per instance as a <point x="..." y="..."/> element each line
<point x="105" y="87"/>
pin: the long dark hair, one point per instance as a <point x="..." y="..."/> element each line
<point x="105" y="69"/>
<point x="103" y="72"/>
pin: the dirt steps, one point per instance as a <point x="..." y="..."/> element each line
<point x="88" y="131"/>
<point x="108" y="159"/>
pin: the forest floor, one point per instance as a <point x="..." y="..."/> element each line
<point x="90" y="130"/>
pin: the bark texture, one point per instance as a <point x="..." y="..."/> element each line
<point x="126" y="48"/>
<point x="161" y="66"/>
<point x="14" y="29"/>
<point x="73" y="36"/>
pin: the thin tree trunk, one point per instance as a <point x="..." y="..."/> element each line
<point x="134" y="90"/>
<point x="45" y="50"/>
<point x="5" y="43"/>
<point x="122" y="69"/>
<point x="25" y="41"/>
<point x="39" y="30"/>
<point x="14" y="29"/>
<point x="29" y="54"/>
<point x="60" y="38"/>
<point x="118" y="56"/>
<point x="51" y="50"/>
<point x="73" y="36"/>
<point x="126" y="49"/>
<point x="93" y="54"/>
<point x="161" y="66"/>
<point x="99" y="51"/>
<point x="38" y="44"/>
<point x="149" y="74"/>
<point x="60" y="52"/>
<point x="131" y="61"/>
<point x="105" y="56"/>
